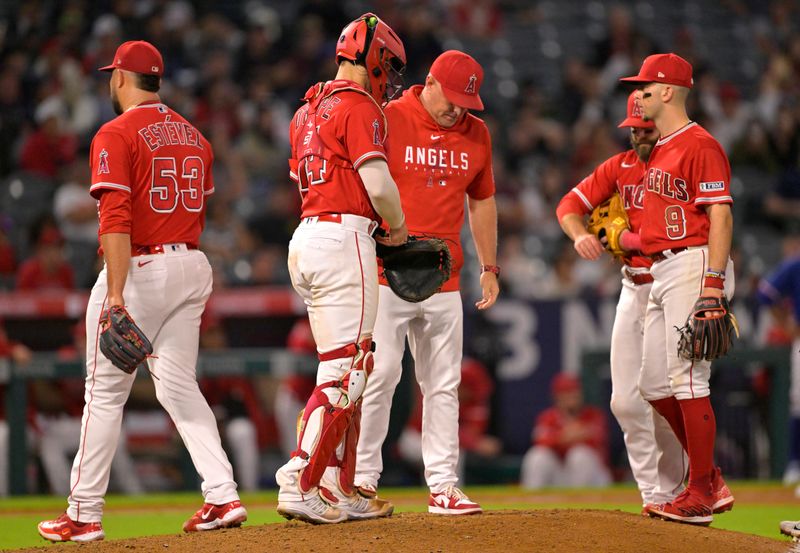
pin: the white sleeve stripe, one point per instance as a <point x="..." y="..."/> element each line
<point x="294" y="176"/>
<point x="713" y="200"/>
<point x="208" y="192"/>
<point x="582" y="197"/>
<point x="113" y="185"/>
<point x="367" y="156"/>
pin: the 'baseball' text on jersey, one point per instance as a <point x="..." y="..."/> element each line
<point x="436" y="157"/>
<point x="170" y="133"/>
<point x="663" y="183"/>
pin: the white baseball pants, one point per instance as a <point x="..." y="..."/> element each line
<point x="333" y="268"/>
<point x="165" y="294"/>
<point x="435" y="334"/>
<point x="655" y="455"/>
<point x="677" y="285"/>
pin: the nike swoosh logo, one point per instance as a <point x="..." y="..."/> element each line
<point x="143" y="263"/>
<point x="628" y="164"/>
<point x="206" y="514"/>
<point x="436" y="136"/>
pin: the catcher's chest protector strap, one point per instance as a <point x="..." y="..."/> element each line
<point x="320" y="97"/>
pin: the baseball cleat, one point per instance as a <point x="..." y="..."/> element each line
<point x="367" y="490"/>
<point x="688" y="508"/>
<point x="361" y="508"/>
<point x="452" y="501"/>
<point x="211" y="517"/>
<point x="723" y="498"/>
<point x="65" y="529"/>
<point x="791" y="528"/>
<point x="311" y="509"/>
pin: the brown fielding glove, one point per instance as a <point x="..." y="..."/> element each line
<point x="121" y="341"/>
<point x="417" y="269"/>
<point x="708" y="333"/>
<point x="608" y="220"/>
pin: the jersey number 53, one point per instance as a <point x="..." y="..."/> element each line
<point x="167" y="188"/>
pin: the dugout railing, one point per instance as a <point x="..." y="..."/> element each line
<point x="240" y="362"/>
<point x="775" y="361"/>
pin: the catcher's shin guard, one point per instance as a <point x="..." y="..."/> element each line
<point x="329" y="412"/>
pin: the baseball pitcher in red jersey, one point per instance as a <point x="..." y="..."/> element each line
<point x="438" y="153"/>
<point x="151" y="174"/>
<point x="339" y="165"/>
<point x="686" y="231"/>
<point x="654" y="454"/>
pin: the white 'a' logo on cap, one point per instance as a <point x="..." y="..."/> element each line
<point x="471" y="84"/>
<point x="661" y="75"/>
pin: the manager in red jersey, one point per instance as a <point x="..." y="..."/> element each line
<point x="151" y="174"/>
<point x="654" y="454"/>
<point x="439" y="154"/>
<point x="339" y="164"/>
<point x="686" y="230"/>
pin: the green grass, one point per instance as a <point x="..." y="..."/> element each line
<point x="158" y="514"/>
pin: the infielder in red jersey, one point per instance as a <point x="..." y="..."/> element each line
<point x="438" y="153"/>
<point x="654" y="454"/>
<point x="151" y="173"/>
<point x="686" y="231"/>
<point x="339" y="164"/>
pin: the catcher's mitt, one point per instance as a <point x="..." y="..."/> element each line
<point x="121" y="341"/>
<point x="417" y="269"/>
<point x="608" y="220"/>
<point x="708" y="332"/>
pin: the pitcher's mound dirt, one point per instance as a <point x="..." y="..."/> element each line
<point x="553" y="531"/>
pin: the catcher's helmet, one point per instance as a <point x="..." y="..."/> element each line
<point x="370" y="42"/>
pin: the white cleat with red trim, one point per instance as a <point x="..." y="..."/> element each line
<point x="65" y="529"/>
<point x="211" y="517"/>
<point x="452" y="501"/>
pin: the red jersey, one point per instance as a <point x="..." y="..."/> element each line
<point x="550" y="424"/>
<point x="687" y="171"/>
<point x="623" y="173"/>
<point x="33" y="276"/>
<point x="163" y="165"/>
<point x="434" y="167"/>
<point x="338" y="129"/>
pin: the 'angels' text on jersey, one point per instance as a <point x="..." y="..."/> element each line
<point x="661" y="182"/>
<point x="437" y="158"/>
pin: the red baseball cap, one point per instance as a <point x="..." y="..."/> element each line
<point x="634" y="118"/>
<point x="137" y="56"/>
<point x="664" y="68"/>
<point x="564" y="382"/>
<point x="461" y="78"/>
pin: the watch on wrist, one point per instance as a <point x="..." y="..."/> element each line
<point x="490" y="269"/>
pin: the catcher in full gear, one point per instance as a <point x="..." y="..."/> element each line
<point x="339" y="164"/>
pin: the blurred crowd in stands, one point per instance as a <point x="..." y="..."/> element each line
<point x="238" y="69"/>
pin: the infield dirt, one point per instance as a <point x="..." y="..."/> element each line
<point x="551" y="531"/>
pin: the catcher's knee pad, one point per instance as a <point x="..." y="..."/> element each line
<point x="354" y="381"/>
<point x="320" y="431"/>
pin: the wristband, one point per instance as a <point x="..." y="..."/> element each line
<point x="717" y="274"/>
<point x="713" y="282"/>
<point x="490" y="269"/>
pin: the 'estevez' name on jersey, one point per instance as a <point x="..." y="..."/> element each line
<point x="664" y="184"/>
<point x="437" y="158"/>
<point x="170" y="133"/>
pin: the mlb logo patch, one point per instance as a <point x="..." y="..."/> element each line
<point x="712" y="186"/>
